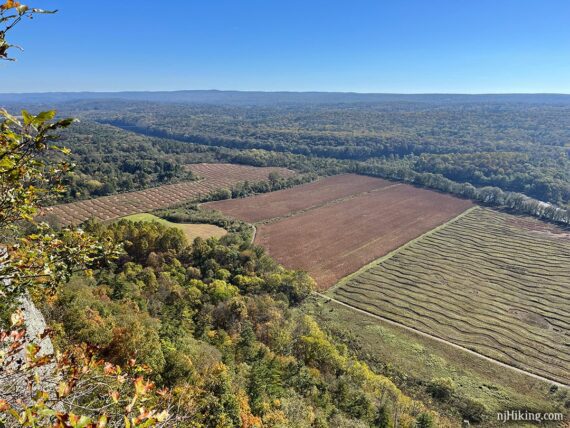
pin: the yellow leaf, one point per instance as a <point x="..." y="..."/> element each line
<point x="161" y="417"/>
<point x="62" y="389"/>
<point x="102" y="423"/>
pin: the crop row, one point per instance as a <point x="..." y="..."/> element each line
<point x="212" y="177"/>
<point x="484" y="282"/>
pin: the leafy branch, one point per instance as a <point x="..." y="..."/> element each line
<point x="11" y="14"/>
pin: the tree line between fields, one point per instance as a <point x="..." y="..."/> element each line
<point x="517" y="147"/>
<point x="110" y="160"/>
<point x="506" y="155"/>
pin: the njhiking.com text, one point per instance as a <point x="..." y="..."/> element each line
<point x="526" y="416"/>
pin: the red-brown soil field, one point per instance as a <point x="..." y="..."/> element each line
<point x="213" y="176"/>
<point x="331" y="235"/>
<point x="284" y="202"/>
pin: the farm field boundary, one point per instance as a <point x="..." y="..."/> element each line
<point x="213" y="177"/>
<point x="487" y="281"/>
<point x="439" y="339"/>
<point x="378" y="261"/>
<point x="332" y="227"/>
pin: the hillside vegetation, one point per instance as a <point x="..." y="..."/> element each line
<point x="216" y="321"/>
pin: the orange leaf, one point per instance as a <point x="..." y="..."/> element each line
<point x="4" y="405"/>
<point x="109" y="369"/>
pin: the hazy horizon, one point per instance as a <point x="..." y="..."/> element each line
<point x="118" y="91"/>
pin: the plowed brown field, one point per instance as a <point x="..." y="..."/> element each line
<point x="284" y="202"/>
<point x="332" y="234"/>
<point x="213" y="176"/>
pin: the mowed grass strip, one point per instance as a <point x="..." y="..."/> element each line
<point x="191" y="230"/>
<point x="485" y="282"/>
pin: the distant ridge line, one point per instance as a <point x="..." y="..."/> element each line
<point x="214" y="96"/>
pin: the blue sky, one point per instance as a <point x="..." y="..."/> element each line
<point x="405" y="46"/>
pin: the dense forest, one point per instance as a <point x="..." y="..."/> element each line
<point x="217" y="322"/>
<point x="516" y="147"/>
<point x="108" y="160"/>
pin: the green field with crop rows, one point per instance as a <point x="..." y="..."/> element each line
<point x="491" y="282"/>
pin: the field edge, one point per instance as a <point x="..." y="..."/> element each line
<point x="412" y="360"/>
<point x="343" y="281"/>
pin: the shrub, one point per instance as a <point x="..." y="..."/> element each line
<point x="424" y="420"/>
<point x="441" y="388"/>
<point x="472" y="410"/>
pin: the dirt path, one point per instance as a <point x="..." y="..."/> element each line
<point x="438" y="339"/>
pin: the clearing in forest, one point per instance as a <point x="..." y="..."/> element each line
<point x="333" y="227"/>
<point x="190" y="230"/>
<point x="212" y="177"/>
<point x="489" y="281"/>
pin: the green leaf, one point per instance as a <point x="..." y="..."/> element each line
<point x="28" y="118"/>
<point x="66" y="122"/>
<point x="83" y="422"/>
<point x="47" y="412"/>
<point x="8" y="116"/>
<point x="6" y="164"/>
<point x="44" y="116"/>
